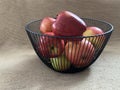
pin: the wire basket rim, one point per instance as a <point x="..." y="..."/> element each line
<point x="40" y="34"/>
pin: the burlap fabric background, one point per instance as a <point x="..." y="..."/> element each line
<point x="21" y="69"/>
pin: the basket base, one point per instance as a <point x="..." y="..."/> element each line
<point x="71" y="70"/>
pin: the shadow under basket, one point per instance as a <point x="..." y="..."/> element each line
<point x="69" y="54"/>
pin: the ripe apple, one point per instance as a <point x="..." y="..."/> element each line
<point x="97" y="41"/>
<point x="68" y="24"/>
<point x="50" y="46"/>
<point x="60" y="63"/>
<point x="79" y="53"/>
<point x="46" y="24"/>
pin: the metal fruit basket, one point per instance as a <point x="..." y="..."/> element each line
<point x="82" y="55"/>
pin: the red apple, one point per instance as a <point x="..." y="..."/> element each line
<point x="68" y="24"/>
<point x="50" y="46"/>
<point x="79" y="53"/>
<point x="97" y="41"/>
<point x="46" y="24"/>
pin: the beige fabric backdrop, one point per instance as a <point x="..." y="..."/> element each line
<point x="21" y="69"/>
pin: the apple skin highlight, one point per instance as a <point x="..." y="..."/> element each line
<point x="68" y="24"/>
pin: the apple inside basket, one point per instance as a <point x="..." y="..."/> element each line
<point x="68" y="53"/>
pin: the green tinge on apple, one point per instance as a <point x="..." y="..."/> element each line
<point x="54" y="50"/>
<point x="97" y="41"/>
<point x="60" y="63"/>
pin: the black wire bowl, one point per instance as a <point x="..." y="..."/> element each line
<point x="70" y="54"/>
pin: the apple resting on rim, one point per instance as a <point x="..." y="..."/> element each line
<point x="68" y="24"/>
<point x="97" y="41"/>
<point x="46" y="24"/>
